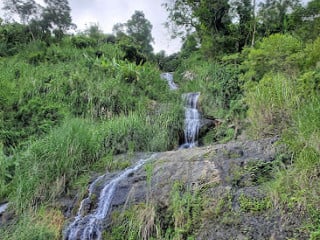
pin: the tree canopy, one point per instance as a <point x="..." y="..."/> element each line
<point x="138" y="28"/>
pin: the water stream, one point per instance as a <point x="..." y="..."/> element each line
<point x="169" y="78"/>
<point x="192" y="115"/>
<point x="3" y="207"/>
<point x="88" y="227"/>
<point x="192" y="120"/>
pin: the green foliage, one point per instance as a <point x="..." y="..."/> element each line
<point x="83" y="42"/>
<point x="67" y="110"/>
<point x="185" y="207"/>
<point x="305" y="20"/>
<point x="139" y="28"/>
<point x="273" y="100"/>
<point x="41" y="225"/>
<point x="138" y="222"/>
<point x="44" y="169"/>
<point x="63" y="80"/>
<point x="273" y="54"/>
<point x="6" y="174"/>
<point x="271" y="103"/>
<point x="220" y="93"/>
<point x="13" y="37"/>
<point x="146" y="221"/>
<point x="282" y="93"/>
<point x="254" y="205"/>
<point x="210" y="20"/>
<point x="311" y="56"/>
<point x="274" y="16"/>
<point x="167" y="63"/>
<point x="48" y="23"/>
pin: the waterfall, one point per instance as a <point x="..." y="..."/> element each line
<point x="89" y="227"/>
<point x="192" y="120"/>
<point x="3" y="207"/>
<point x="169" y="77"/>
<point x="192" y="115"/>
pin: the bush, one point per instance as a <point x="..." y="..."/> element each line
<point x="275" y="53"/>
<point x="271" y="103"/>
<point x="83" y="42"/>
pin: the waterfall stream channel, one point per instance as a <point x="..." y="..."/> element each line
<point x="89" y="226"/>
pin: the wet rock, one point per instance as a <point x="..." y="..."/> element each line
<point x="6" y="215"/>
<point x="188" y="75"/>
<point x="195" y="167"/>
<point x="228" y="176"/>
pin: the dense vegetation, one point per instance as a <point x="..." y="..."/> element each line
<point x="71" y="102"/>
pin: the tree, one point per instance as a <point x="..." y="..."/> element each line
<point x="42" y="21"/>
<point x="139" y="28"/>
<point x="119" y="29"/>
<point x="136" y="29"/>
<point x="56" y="17"/>
<point x="25" y="9"/>
<point x="273" y="15"/>
<point x="210" y="19"/>
<point x="95" y="32"/>
<point x="244" y="10"/>
<point x="190" y="45"/>
<point x="305" y="21"/>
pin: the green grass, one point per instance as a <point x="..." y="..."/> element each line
<point x="41" y="225"/>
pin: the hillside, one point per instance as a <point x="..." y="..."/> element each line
<point x="78" y="111"/>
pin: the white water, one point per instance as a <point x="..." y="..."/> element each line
<point x="89" y="227"/>
<point x="192" y="120"/>
<point x="3" y="207"/>
<point x="192" y="115"/>
<point x="169" y="77"/>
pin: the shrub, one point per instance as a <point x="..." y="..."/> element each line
<point x="275" y="53"/>
<point x="83" y="42"/>
<point x="271" y="103"/>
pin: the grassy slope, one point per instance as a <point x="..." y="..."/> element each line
<point x="64" y="111"/>
<point x="47" y="93"/>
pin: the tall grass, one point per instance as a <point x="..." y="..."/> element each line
<point x="41" y="225"/>
<point x="43" y="85"/>
<point x="44" y="170"/>
<point x="271" y="103"/>
<point x="147" y="220"/>
<point x="296" y="187"/>
<point x="65" y="112"/>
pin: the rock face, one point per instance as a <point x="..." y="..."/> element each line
<point x="195" y="167"/>
<point x="6" y="215"/>
<point x="218" y="169"/>
<point x="229" y="177"/>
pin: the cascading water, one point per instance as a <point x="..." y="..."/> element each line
<point x="3" y="207"/>
<point x="192" y="115"/>
<point x="89" y="227"/>
<point x="192" y="120"/>
<point x="169" y="77"/>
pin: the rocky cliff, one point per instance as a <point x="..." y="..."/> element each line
<point x="223" y="184"/>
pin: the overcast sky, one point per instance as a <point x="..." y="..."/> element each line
<point x="109" y="12"/>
